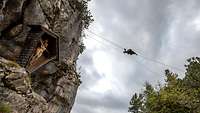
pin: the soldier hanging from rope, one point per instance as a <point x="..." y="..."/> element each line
<point x="129" y="52"/>
<point x="39" y="51"/>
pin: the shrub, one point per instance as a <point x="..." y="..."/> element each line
<point x="85" y="14"/>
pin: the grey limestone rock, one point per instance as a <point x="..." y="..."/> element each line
<point x="53" y="87"/>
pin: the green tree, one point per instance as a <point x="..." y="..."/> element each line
<point x="192" y="75"/>
<point x="175" y="96"/>
<point x="136" y="104"/>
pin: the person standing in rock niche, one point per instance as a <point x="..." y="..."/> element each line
<point x="39" y="51"/>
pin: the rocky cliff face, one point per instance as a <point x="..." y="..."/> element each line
<point x="52" y="88"/>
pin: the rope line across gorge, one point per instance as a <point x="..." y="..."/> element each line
<point x="139" y="55"/>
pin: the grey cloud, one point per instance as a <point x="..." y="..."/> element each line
<point x="185" y="37"/>
<point x="87" y="64"/>
<point x="83" y="109"/>
<point x="106" y="101"/>
<point x="146" y="16"/>
<point x="159" y="29"/>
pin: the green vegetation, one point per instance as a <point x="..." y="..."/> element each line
<point x="175" y="96"/>
<point x="5" y="108"/>
<point x="85" y="14"/>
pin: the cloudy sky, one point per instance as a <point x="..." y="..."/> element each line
<point x="164" y="30"/>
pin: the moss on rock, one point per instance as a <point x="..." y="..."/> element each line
<point x="5" y="108"/>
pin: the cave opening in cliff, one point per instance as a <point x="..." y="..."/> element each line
<point x="46" y="50"/>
